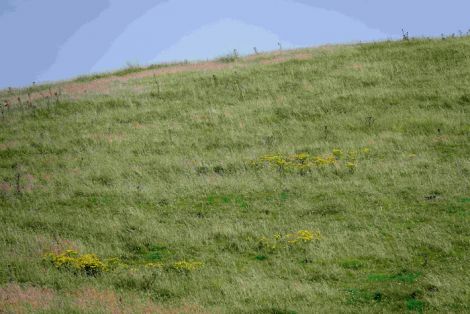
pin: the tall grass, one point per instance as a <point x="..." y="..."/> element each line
<point x="169" y="184"/>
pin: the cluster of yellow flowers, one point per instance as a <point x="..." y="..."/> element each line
<point x="325" y="161"/>
<point x="302" y="236"/>
<point x="89" y="264"/>
<point x="305" y="162"/>
<point x="279" y="241"/>
<point x="185" y="266"/>
<point x="154" y="265"/>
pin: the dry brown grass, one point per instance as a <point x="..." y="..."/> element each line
<point x="357" y="66"/>
<point x="29" y="182"/>
<point x="181" y="309"/>
<point x="5" y="187"/>
<point x="8" y="145"/>
<point x="17" y="299"/>
<point x="107" y="84"/>
<point x="108" y="301"/>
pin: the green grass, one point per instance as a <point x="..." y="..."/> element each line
<point x="165" y="177"/>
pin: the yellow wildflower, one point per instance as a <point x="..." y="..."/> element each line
<point x="351" y="166"/>
<point x="352" y="155"/>
<point x="187" y="266"/>
<point x="303" y="236"/>
<point x="328" y="160"/>
<point x="337" y="153"/>
<point x="154" y="265"/>
<point x="300" y="157"/>
<point x="69" y="259"/>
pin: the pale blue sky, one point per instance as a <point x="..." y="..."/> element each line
<point x="44" y="40"/>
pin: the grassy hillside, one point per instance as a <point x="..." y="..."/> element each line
<point x="335" y="182"/>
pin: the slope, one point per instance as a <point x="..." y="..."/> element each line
<point x="334" y="183"/>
